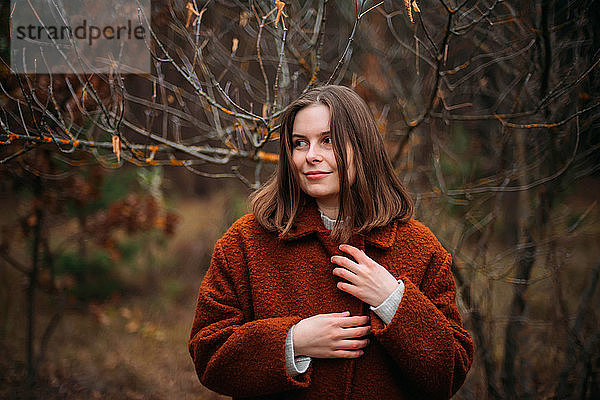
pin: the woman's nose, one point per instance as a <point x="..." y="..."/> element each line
<point x="313" y="154"/>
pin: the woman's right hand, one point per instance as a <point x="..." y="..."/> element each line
<point x="332" y="335"/>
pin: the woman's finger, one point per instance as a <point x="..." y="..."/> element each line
<point x="346" y="263"/>
<point x="346" y="353"/>
<point x="339" y="314"/>
<point x="349" y="322"/>
<point x="360" y="331"/>
<point x="352" y="344"/>
<point x="350" y="289"/>
<point x="357" y="254"/>
<point x="346" y="274"/>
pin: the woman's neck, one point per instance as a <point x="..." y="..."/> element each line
<point x="329" y="211"/>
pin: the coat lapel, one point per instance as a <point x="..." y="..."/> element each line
<point x="309" y="222"/>
<point x="383" y="236"/>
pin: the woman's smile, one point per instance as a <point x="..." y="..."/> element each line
<point x="316" y="174"/>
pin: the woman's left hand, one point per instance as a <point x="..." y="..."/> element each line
<point x="367" y="280"/>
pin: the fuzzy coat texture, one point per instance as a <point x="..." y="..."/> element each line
<point x="260" y="283"/>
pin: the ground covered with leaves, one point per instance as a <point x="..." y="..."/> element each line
<point x="133" y="345"/>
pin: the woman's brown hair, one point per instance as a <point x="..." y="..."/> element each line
<point x="375" y="198"/>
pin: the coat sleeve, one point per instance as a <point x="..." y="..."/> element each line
<point x="425" y="337"/>
<point x="233" y="353"/>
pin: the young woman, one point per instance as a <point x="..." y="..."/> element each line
<point x="328" y="289"/>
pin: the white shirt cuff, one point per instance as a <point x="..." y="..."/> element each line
<point x="295" y="365"/>
<point x="387" y="309"/>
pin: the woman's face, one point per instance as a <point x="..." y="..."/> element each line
<point x="314" y="158"/>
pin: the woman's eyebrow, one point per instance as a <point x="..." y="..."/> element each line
<point x="303" y="136"/>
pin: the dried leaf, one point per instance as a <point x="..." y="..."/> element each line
<point x="125" y="312"/>
<point x="132" y="327"/>
<point x="279" y="5"/>
<point x="191" y="12"/>
<point x="409" y="10"/>
<point x="116" y="147"/>
<point x="245" y="17"/>
<point x="99" y="314"/>
<point x="415" y="6"/>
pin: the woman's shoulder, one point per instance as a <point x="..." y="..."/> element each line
<point x="244" y="228"/>
<point x="416" y="234"/>
<point x="414" y="227"/>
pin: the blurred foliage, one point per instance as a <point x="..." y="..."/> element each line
<point x="173" y="289"/>
<point x="88" y="278"/>
<point x="74" y="234"/>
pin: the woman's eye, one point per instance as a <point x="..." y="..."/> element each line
<point x="327" y="140"/>
<point x="299" y="143"/>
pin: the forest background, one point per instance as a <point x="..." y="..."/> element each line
<point x="114" y="187"/>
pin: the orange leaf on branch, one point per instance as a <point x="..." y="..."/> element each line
<point x="116" y="147"/>
<point x="410" y="7"/>
<point x="279" y="5"/>
<point x="192" y="11"/>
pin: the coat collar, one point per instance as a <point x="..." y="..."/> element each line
<point x="309" y="221"/>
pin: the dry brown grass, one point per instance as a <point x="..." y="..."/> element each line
<point x="135" y="345"/>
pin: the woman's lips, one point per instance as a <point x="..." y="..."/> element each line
<point x="316" y="175"/>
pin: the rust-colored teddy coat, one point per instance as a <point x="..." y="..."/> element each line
<point x="259" y="284"/>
